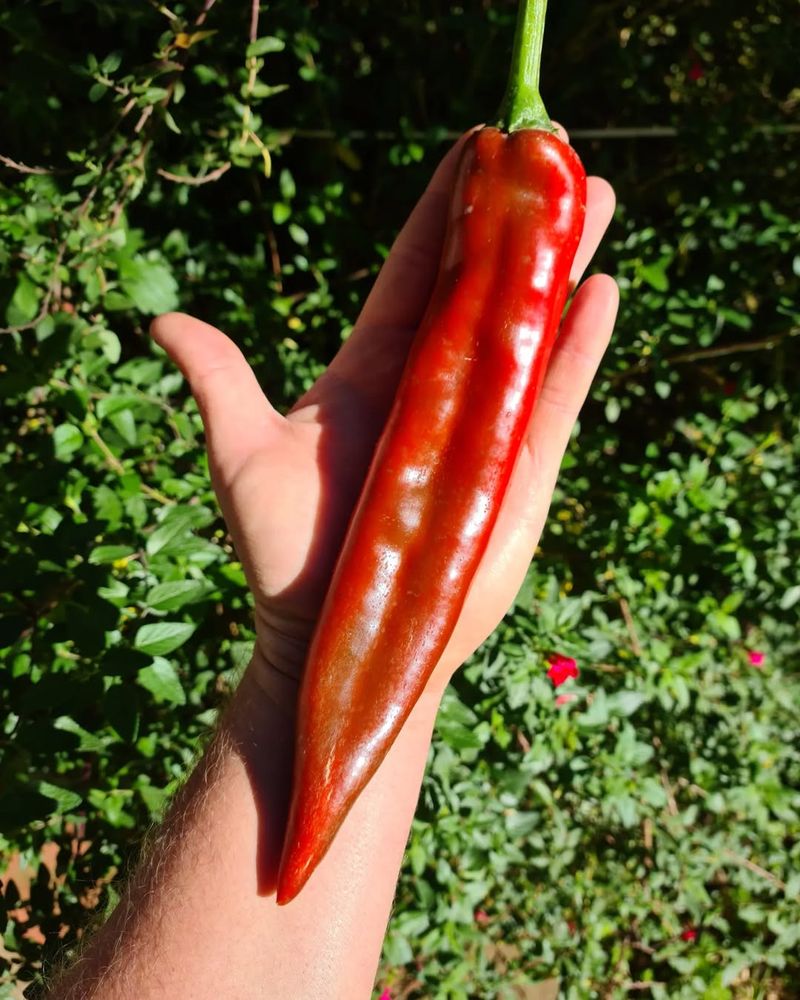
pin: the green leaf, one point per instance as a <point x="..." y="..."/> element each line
<point x="110" y="345"/>
<point x="613" y="410"/>
<point x="109" y="405"/>
<point x="150" y="284"/>
<point x="67" y="439"/>
<point x="655" y="276"/>
<point x="111" y="63"/>
<point x="287" y="185"/>
<point x="458" y="736"/>
<point x="154" y="798"/>
<point x="638" y="514"/>
<point x="597" y="713"/>
<point x="172" y="595"/>
<point x="152" y="95"/>
<point x="171" y="124"/>
<point x="625" y="703"/>
<point x="107" y="505"/>
<point x="265" y="44"/>
<point x="790" y="597"/>
<point x="88" y="741"/>
<point x="109" y="553"/>
<point x="298" y="234"/>
<point x="112" y="805"/>
<point x="65" y="799"/>
<point x="281" y="212"/>
<point x="162" y="637"/>
<point x="177" y="525"/>
<point x="24" y="304"/>
<point x="522" y="824"/>
<point x="162" y="681"/>
<point x="125" y="424"/>
<point x="261" y="90"/>
<point x="396" y="950"/>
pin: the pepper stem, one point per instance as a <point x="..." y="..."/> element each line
<point x="522" y="105"/>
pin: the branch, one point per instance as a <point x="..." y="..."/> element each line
<point x="767" y="343"/>
<point x="672" y="805"/>
<point x="753" y="867"/>
<point x="688" y="357"/>
<point x="23" y="168"/>
<point x="213" y="175"/>
<point x="204" y="12"/>
<point x="113" y="463"/>
<point x="254" y="6"/>
<point x="630" y="625"/>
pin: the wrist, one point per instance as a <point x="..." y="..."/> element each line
<point x="274" y="683"/>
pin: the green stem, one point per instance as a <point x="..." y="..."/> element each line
<point x="522" y="105"/>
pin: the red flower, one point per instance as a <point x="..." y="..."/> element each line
<point x="689" y="934"/>
<point x="565" y="699"/>
<point x="481" y="917"/>
<point x="561" y="669"/>
<point x="695" y="71"/>
<point x="756" y="658"/>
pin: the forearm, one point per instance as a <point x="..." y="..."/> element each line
<point x="200" y="919"/>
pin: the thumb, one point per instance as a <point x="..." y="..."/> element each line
<point x="237" y="416"/>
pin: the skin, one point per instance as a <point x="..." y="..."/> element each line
<point x="199" y="919"/>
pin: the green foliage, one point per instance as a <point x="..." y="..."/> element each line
<point x="644" y="831"/>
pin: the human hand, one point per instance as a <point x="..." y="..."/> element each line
<point x="287" y="485"/>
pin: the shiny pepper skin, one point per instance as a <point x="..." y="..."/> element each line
<point x="439" y="473"/>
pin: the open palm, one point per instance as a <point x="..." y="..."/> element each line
<point x="287" y="485"/>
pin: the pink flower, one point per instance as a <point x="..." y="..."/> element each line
<point x="386" y="995"/>
<point x="756" y="658"/>
<point x="689" y="934"/>
<point x="561" y="669"/>
<point x="565" y="699"/>
<point x="481" y="917"/>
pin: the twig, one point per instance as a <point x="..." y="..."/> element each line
<point x="672" y="805"/>
<point x="48" y="297"/>
<point x="608" y="668"/>
<point x="213" y="175"/>
<point x="170" y="411"/>
<point x="636" y="646"/>
<point x="204" y="13"/>
<point x="718" y="352"/>
<point x="642" y="984"/>
<point x="23" y="168"/>
<point x="116" y="466"/>
<point x="254" y="6"/>
<point x="753" y="867"/>
<point x="687" y="357"/>
<point x="446" y="135"/>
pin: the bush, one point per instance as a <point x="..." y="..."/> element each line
<point x="640" y="834"/>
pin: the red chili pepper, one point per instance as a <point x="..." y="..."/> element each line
<point x="442" y="465"/>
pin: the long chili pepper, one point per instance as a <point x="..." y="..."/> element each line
<point x="443" y="464"/>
